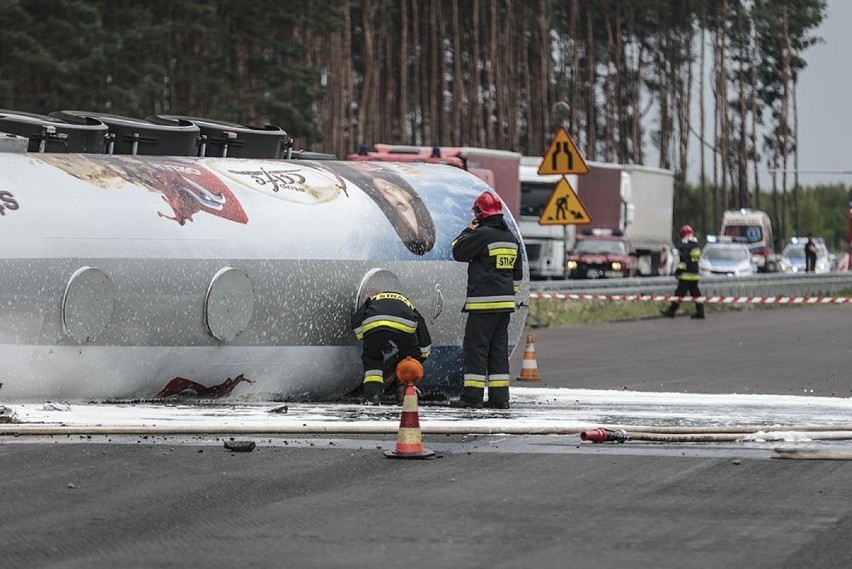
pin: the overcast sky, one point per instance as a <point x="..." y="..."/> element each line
<point x="824" y="104"/>
<point x="824" y="98"/>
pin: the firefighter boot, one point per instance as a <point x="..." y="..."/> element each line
<point x="372" y="394"/>
<point x="498" y="398"/>
<point x="670" y="311"/>
<point x="699" y="311"/>
<point x="471" y="398"/>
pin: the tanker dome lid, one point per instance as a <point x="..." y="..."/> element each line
<point x="56" y="133"/>
<point x="220" y="125"/>
<point x="234" y="140"/>
<point x="128" y="135"/>
<point x="131" y="122"/>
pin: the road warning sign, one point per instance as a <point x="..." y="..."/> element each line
<point x="564" y="207"/>
<point x="563" y="157"/>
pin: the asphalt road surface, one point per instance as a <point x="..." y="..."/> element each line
<point x="796" y="350"/>
<point x="489" y="501"/>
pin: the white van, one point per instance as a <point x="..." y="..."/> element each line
<point x="753" y="228"/>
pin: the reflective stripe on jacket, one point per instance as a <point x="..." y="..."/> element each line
<point x="494" y="268"/>
<point x="391" y="311"/>
<point x="690" y="254"/>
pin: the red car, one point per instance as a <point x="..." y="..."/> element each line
<point x="602" y="254"/>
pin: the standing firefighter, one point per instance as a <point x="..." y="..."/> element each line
<point x="388" y="322"/>
<point x="493" y="277"/>
<point x="687" y="272"/>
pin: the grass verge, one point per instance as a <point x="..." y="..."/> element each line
<point x="558" y="313"/>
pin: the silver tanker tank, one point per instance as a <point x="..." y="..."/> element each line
<point x="121" y="274"/>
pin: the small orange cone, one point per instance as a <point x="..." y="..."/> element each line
<point x="529" y="368"/>
<point x="409" y="442"/>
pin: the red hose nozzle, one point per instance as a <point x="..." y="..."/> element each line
<point x="604" y="435"/>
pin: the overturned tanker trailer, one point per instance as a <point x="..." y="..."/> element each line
<point x="122" y="273"/>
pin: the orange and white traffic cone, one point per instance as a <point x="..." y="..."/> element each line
<point x="529" y="368"/>
<point x="409" y="442"/>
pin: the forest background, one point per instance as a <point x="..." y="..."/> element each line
<point x="337" y="74"/>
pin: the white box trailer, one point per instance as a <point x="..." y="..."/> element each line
<point x="651" y="197"/>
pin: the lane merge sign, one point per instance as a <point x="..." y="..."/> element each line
<point x="563" y="157"/>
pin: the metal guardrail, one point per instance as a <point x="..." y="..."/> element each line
<point x="772" y="284"/>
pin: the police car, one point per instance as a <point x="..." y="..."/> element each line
<point x="724" y="256"/>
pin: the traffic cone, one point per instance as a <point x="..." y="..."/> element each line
<point x="409" y="443"/>
<point x="529" y="369"/>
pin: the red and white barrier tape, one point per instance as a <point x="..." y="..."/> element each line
<point x="705" y="299"/>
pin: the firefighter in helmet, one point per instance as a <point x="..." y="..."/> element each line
<point x="687" y="273"/>
<point x="494" y="275"/>
<point x="392" y="329"/>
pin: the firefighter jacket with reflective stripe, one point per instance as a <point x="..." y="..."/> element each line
<point x="690" y="253"/>
<point x="494" y="269"/>
<point x="391" y="311"/>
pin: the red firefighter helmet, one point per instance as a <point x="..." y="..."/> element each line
<point x="486" y="205"/>
<point x="685" y="231"/>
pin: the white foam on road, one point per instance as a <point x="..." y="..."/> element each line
<point x="532" y="409"/>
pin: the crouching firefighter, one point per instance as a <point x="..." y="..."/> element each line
<point x="687" y="273"/>
<point x="391" y="329"/>
<point x="494" y="274"/>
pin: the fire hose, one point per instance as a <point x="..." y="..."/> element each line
<point x="618" y="433"/>
<point x="601" y="435"/>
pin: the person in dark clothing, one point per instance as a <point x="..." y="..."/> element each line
<point x="494" y="275"/>
<point x="388" y="322"/>
<point x="810" y="254"/>
<point x="687" y="273"/>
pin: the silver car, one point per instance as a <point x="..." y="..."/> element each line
<point x="793" y="258"/>
<point x="726" y="258"/>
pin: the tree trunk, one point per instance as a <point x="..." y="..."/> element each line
<point x="722" y="97"/>
<point x="684" y="105"/>
<point x="610" y="82"/>
<point x="796" y="187"/>
<point x="717" y="102"/>
<point x="403" y="132"/>
<point x="541" y="100"/>
<point x="477" y="132"/>
<point x="701" y="126"/>
<point x="591" y="118"/>
<point x="458" y="81"/>
<point x="785" y="114"/>
<point x="574" y="115"/>
<point x="420" y="117"/>
<point x="437" y="83"/>
<point x="754" y="111"/>
<point x="509" y="82"/>
<point x="638" y="153"/>
<point x="369" y="71"/>
<point x="742" y="161"/>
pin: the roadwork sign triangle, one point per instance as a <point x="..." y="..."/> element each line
<point x="564" y="207"/>
<point x="563" y="157"/>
